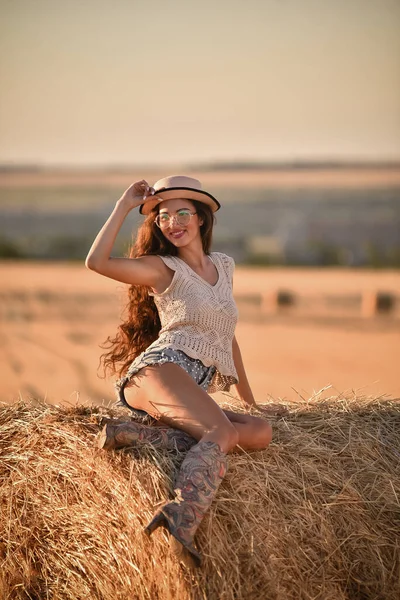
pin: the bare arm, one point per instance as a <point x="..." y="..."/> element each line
<point x="243" y="387"/>
<point x="146" y="270"/>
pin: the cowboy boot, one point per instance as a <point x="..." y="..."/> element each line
<point x="200" y="475"/>
<point x="118" y="435"/>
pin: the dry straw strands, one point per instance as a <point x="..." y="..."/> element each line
<point x="316" y="516"/>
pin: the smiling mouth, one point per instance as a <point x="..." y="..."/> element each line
<point x="177" y="234"/>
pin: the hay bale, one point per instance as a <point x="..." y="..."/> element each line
<point x="376" y="302"/>
<point x="317" y="515"/>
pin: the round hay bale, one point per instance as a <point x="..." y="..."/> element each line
<point x="316" y="515"/>
<point x="275" y="300"/>
<point x="376" y="302"/>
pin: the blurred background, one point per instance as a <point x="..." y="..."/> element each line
<point x="288" y="111"/>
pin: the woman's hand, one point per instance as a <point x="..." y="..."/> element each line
<point x="99" y="257"/>
<point x="137" y="194"/>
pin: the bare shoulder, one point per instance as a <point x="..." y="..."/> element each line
<point x="162" y="274"/>
<point x="154" y="262"/>
<point x="151" y="260"/>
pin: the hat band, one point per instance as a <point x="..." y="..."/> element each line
<point x="171" y="189"/>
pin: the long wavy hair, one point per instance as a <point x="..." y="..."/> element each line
<point x="141" y="324"/>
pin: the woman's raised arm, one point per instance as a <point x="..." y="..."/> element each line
<point x="146" y="270"/>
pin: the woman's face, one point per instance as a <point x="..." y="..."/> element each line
<point x="179" y="235"/>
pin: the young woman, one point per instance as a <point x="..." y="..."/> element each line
<point x="177" y="345"/>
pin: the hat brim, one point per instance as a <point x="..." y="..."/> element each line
<point x="171" y="194"/>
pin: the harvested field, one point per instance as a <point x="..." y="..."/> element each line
<point x="53" y="318"/>
<point x="361" y="177"/>
<point x="316" y="515"/>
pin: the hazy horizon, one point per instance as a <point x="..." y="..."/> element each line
<point x="219" y="164"/>
<point x="140" y="83"/>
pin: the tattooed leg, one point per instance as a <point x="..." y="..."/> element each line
<point x="119" y="435"/>
<point x="197" y="482"/>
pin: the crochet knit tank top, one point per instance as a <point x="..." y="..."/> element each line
<point x="199" y="318"/>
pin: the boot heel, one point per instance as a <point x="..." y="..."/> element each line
<point x="105" y="439"/>
<point x="187" y="555"/>
<point x="158" y="520"/>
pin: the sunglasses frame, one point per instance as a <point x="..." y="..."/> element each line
<point x="174" y="216"/>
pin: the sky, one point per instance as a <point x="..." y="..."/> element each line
<point x="92" y="82"/>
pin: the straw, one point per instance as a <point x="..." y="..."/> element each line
<point x="314" y="516"/>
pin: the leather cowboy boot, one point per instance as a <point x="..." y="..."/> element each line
<point x="200" y="475"/>
<point x="119" y="435"/>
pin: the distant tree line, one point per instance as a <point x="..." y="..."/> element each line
<point x="66" y="247"/>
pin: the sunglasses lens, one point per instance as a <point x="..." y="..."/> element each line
<point x="183" y="217"/>
<point x="162" y="220"/>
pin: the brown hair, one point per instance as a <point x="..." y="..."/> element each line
<point x="141" y="325"/>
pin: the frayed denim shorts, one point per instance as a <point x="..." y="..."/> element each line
<point x="201" y="374"/>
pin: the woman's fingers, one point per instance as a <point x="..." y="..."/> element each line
<point x="139" y="191"/>
<point x="149" y="191"/>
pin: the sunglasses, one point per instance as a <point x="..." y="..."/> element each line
<point x="182" y="217"/>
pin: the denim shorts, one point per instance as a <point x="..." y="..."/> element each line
<point x="201" y="374"/>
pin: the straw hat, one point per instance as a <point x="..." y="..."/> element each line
<point x="178" y="186"/>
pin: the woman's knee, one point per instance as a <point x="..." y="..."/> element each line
<point x="259" y="431"/>
<point x="262" y="434"/>
<point x="226" y="435"/>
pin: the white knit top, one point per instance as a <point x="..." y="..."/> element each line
<point x="199" y="318"/>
